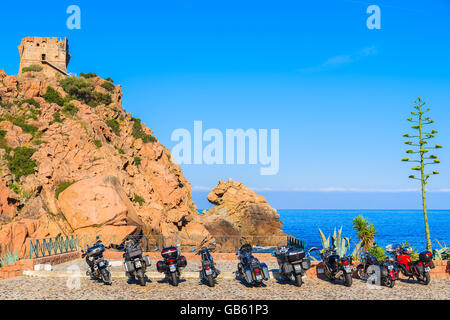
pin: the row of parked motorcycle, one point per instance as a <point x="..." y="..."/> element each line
<point x="293" y="264"/>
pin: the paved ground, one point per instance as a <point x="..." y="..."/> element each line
<point x="57" y="288"/>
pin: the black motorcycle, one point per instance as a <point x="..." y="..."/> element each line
<point x="135" y="264"/>
<point x="249" y="267"/>
<point x="372" y="269"/>
<point x="208" y="270"/>
<point x="335" y="267"/>
<point x="292" y="263"/>
<point x="98" y="267"/>
<point x="172" y="264"/>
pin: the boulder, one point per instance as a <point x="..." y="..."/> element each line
<point x="240" y="213"/>
<point x="95" y="202"/>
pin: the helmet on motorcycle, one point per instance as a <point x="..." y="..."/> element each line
<point x="408" y="250"/>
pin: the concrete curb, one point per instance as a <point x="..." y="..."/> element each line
<point x="121" y="275"/>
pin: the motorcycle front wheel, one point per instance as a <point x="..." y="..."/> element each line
<point x="106" y="276"/>
<point x="141" y="277"/>
<point x="362" y="273"/>
<point x="174" y="279"/>
<point x="298" y="280"/>
<point x="348" y="279"/>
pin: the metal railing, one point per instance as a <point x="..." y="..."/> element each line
<point x="52" y="246"/>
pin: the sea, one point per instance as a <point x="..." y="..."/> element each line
<point x="392" y="226"/>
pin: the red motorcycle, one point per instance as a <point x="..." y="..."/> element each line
<point x="412" y="269"/>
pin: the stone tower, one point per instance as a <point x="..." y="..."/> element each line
<point x="50" y="53"/>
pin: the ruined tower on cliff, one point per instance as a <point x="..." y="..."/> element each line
<point x="49" y="53"/>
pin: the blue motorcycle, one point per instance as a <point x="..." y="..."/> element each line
<point x="208" y="270"/>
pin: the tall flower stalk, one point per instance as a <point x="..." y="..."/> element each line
<point x="420" y="148"/>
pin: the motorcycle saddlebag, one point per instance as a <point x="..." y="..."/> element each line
<point x="306" y="264"/>
<point x="295" y="255"/>
<point x="161" y="266"/>
<point x="426" y="257"/>
<point x="129" y="266"/>
<point x="265" y="271"/>
<point x="248" y="275"/>
<point x="134" y="252"/>
<point x="147" y="261"/>
<point x="182" y="262"/>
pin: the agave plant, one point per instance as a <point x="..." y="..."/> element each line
<point x="338" y="243"/>
<point x="443" y="253"/>
<point x="9" y="258"/>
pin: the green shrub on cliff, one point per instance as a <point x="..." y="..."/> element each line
<point x="63" y="186"/>
<point x="21" y="164"/>
<point x="53" y="96"/>
<point x="88" y="75"/>
<point x="138" y="199"/>
<point x="70" y="108"/>
<point x="98" y="143"/>
<point x="139" y="133"/>
<point x="82" y="89"/>
<point x="32" y="68"/>
<point x="137" y="161"/>
<point x="32" y="102"/>
<point x="108" y="86"/>
<point x="56" y="117"/>
<point x="114" y="125"/>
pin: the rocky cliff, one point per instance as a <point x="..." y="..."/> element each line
<point x="72" y="161"/>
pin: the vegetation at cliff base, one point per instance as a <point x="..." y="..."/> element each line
<point x="63" y="186"/>
<point x="32" y="68"/>
<point x="114" y="125"/>
<point x="53" y="96"/>
<point x="138" y="132"/>
<point x="21" y="164"/>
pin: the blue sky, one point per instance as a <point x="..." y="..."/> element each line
<point x="338" y="92"/>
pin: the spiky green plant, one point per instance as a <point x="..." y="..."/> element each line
<point x="443" y="253"/>
<point x="420" y="142"/>
<point x="9" y="258"/>
<point x="338" y="243"/>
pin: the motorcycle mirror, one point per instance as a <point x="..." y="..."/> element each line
<point x="237" y="253"/>
<point x="82" y="251"/>
<point x="193" y="249"/>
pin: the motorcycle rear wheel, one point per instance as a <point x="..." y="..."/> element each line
<point x="426" y="278"/>
<point x="210" y="281"/>
<point x="348" y="279"/>
<point x="141" y="277"/>
<point x="298" y="280"/>
<point x="106" y="276"/>
<point x="174" y="279"/>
